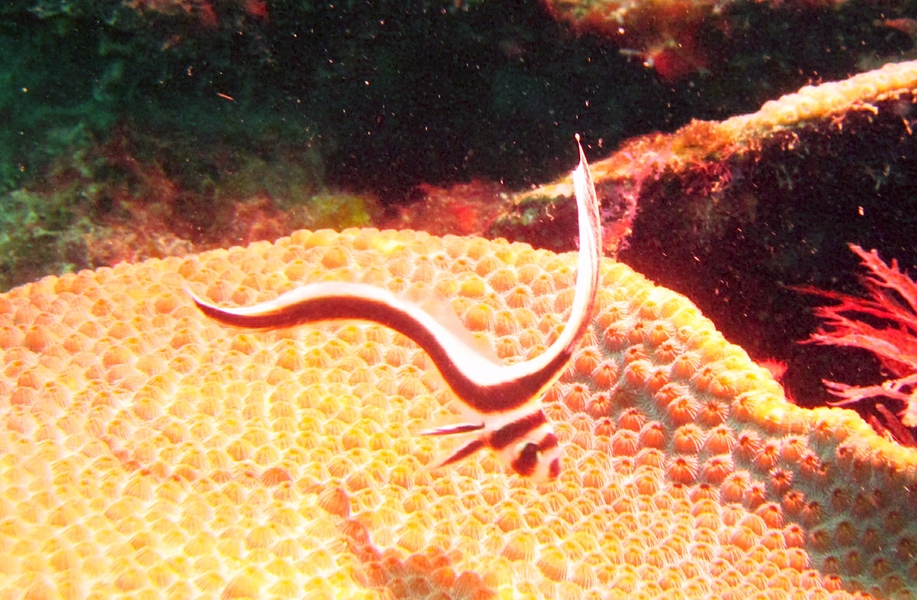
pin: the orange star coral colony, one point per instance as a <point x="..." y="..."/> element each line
<point x="148" y="452"/>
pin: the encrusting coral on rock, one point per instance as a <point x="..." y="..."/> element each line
<point x="699" y="163"/>
<point x="662" y="33"/>
<point x="146" y="451"/>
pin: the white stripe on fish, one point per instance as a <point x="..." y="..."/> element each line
<point x="502" y="402"/>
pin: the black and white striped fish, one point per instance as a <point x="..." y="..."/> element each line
<point x="502" y="402"/>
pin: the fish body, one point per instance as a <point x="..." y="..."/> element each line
<point x="502" y="402"/>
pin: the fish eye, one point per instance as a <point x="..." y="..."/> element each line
<point x="527" y="457"/>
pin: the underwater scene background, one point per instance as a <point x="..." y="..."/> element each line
<point x="748" y="155"/>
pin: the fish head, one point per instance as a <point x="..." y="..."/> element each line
<point x="537" y="460"/>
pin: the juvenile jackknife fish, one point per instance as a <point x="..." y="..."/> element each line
<point x="502" y="402"/>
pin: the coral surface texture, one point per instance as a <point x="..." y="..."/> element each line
<point x="148" y="452"/>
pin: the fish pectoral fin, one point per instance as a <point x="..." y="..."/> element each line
<point x="456" y="429"/>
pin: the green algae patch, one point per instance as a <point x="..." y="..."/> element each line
<point x="39" y="235"/>
<point x="339" y="211"/>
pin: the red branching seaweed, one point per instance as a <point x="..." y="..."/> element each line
<point x="884" y="323"/>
